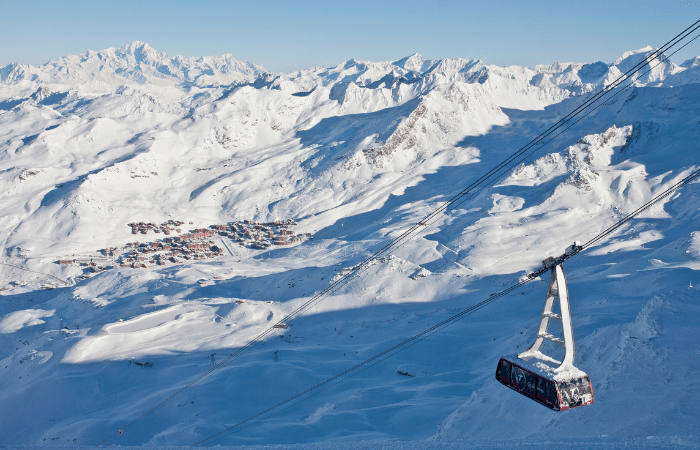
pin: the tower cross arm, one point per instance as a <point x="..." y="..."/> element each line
<point x="553" y="261"/>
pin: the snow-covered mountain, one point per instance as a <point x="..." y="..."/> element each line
<point x="352" y="155"/>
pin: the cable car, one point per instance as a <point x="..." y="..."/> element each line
<point x="557" y="385"/>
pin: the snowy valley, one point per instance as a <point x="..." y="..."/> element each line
<point x="159" y="212"/>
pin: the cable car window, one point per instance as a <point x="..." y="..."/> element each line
<point x="546" y="392"/>
<point x="530" y="384"/>
<point x="575" y="392"/>
<point x="503" y="371"/>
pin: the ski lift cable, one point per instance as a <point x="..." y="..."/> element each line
<point x="595" y="98"/>
<point x="408" y="234"/>
<point x="545" y="142"/>
<point x="588" y="113"/>
<point x="504" y="165"/>
<point x="369" y="362"/>
<point x="376" y="358"/>
<point x="588" y="244"/>
<point x="434" y="215"/>
<point x="630" y="84"/>
<point x="455" y="204"/>
<point x="250" y="422"/>
<point x="643" y="208"/>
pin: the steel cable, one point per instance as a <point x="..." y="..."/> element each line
<point x="588" y="113"/>
<point x="411" y="232"/>
<point x="447" y="322"/>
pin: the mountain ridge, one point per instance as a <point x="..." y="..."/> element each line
<point x="140" y="63"/>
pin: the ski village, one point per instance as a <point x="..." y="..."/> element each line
<point x="195" y="245"/>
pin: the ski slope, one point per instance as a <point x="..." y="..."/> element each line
<point x="355" y="154"/>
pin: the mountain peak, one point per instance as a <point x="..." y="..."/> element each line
<point x="139" y="62"/>
<point x="691" y="62"/>
<point x="141" y="51"/>
<point x="414" y="62"/>
<point x="626" y="55"/>
<point x="136" y="46"/>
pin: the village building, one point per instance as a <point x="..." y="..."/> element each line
<point x="192" y="245"/>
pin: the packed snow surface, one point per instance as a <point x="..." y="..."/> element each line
<point x="342" y="160"/>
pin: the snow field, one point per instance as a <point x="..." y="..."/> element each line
<point x="355" y="154"/>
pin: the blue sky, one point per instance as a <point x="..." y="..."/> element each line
<point x="286" y="35"/>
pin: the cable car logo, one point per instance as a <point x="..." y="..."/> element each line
<point x="519" y="377"/>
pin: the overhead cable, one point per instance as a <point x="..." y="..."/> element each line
<point x="413" y="230"/>
<point x="369" y="362"/>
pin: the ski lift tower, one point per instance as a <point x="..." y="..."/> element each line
<point x="557" y="385"/>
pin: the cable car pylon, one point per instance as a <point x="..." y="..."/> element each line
<point x="557" y="385"/>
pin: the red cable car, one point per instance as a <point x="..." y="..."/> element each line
<point x="556" y="385"/>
